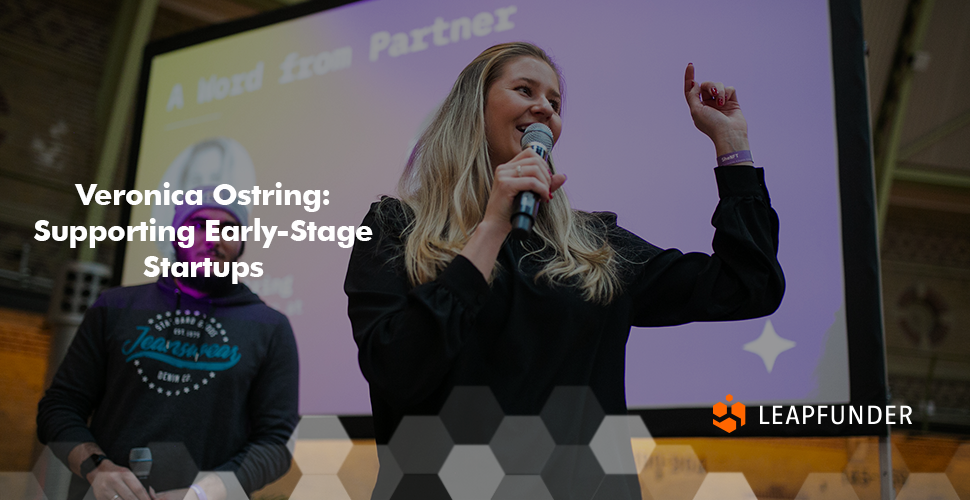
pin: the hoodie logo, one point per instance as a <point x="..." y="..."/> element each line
<point x="180" y="352"/>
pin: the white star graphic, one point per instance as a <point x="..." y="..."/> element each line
<point x="769" y="345"/>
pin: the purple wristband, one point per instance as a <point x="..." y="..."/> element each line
<point x="734" y="157"/>
<point x="198" y="492"/>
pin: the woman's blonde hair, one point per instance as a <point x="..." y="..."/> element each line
<point x="448" y="179"/>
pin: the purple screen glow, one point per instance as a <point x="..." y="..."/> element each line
<point x="628" y="146"/>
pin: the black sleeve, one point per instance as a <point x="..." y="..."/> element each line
<point x="274" y="411"/>
<point x="77" y="387"/>
<point x="408" y="337"/>
<point x="741" y="280"/>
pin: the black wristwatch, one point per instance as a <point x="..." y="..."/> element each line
<point x="91" y="463"/>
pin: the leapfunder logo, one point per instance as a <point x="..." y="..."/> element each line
<point x="807" y="414"/>
<point x="729" y="422"/>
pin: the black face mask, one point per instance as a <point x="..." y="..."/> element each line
<point x="209" y="285"/>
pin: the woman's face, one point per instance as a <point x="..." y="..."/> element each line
<point x="526" y="92"/>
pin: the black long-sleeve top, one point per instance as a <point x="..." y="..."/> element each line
<point x="523" y="337"/>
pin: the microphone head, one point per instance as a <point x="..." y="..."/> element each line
<point x="537" y="132"/>
<point x="140" y="462"/>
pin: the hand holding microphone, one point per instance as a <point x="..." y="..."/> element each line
<point x="526" y="173"/>
<point x="525" y="208"/>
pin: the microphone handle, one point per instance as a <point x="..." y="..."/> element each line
<point x="525" y="208"/>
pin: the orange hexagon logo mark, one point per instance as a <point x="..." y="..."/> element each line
<point x="729" y="422"/>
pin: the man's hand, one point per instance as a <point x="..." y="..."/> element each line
<point x="114" y="482"/>
<point x="108" y="481"/>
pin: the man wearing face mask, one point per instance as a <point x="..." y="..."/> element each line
<point x="199" y="362"/>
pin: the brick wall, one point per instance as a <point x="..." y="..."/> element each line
<point x="24" y="343"/>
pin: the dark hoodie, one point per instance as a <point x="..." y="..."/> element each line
<point x="150" y="364"/>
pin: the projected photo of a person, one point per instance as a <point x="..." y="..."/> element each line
<point x="442" y="297"/>
<point x="209" y="162"/>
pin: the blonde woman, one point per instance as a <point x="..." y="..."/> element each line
<point x="441" y="297"/>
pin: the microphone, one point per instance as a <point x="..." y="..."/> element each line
<point x="526" y="205"/>
<point x="140" y="462"/>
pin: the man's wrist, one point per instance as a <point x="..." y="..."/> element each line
<point x="88" y="465"/>
<point x="81" y="453"/>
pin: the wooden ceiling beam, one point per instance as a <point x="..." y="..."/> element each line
<point x="935" y="136"/>
<point x="892" y="111"/>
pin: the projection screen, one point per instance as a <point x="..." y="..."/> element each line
<point x="332" y="99"/>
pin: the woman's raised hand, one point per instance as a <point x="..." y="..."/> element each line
<point x="527" y="171"/>
<point x="716" y="113"/>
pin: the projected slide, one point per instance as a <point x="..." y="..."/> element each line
<point x="331" y="104"/>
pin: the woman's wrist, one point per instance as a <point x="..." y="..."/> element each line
<point x="733" y="147"/>
<point x="731" y="142"/>
<point x="733" y="158"/>
<point x="199" y="492"/>
<point x="209" y="487"/>
<point x="483" y="246"/>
